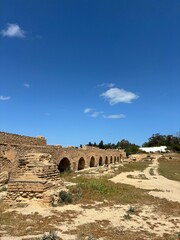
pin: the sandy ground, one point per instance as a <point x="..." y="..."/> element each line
<point x="146" y="219"/>
<point x="165" y="188"/>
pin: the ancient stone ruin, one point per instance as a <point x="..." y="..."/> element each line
<point x="31" y="168"/>
<point x="35" y="177"/>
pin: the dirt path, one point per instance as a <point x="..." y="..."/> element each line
<point x="161" y="186"/>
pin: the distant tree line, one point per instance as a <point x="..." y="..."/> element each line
<point x="172" y="142"/>
<point x="156" y="140"/>
<point x="123" y="144"/>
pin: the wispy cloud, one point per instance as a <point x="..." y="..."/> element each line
<point x="108" y="85"/>
<point x="27" y="85"/>
<point x="13" y="30"/>
<point x="87" y="110"/>
<point x="92" y="113"/>
<point x="3" y="98"/>
<point x="95" y="114"/>
<point x="114" y="116"/>
<point x="117" y="95"/>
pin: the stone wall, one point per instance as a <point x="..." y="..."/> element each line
<point x="9" y="138"/>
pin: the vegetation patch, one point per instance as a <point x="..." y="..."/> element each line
<point x="103" y="189"/>
<point x="134" y="166"/>
<point x="16" y="224"/>
<point x="65" y="197"/>
<point x="50" y="236"/>
<point x="103" y="229"/>
<point x="170" y="168"/>
<point x="139" y="176"/>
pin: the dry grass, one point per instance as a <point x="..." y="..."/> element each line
<point x="103" y="229"/>
<point x="90" y="190"/>
<point x="170" y="167"/>
<point x="134" y="166"/>
<point x="16" y="224"/>
<point x="127" y="167"/>
<point x="102" y="189"/>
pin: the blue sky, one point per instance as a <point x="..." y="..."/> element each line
<point x="88" y="70"/>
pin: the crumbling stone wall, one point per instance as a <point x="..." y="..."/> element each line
<point x="9" y="138"/>
<point x="36" y="177"/>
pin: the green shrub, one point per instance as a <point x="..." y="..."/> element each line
<point x="131" y="210"/>
<point x="65" y="197"/>
<point x="50" y="236"/>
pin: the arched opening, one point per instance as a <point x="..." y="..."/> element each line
<point x="64" y="165"/>
<point x="100" y="161"/>
<point x="115" y="159"/>
<point x="81" y="163"/>
<point x="111" y="159"/>
<point x="92" y="162"/>
<point x="106" y="160"/>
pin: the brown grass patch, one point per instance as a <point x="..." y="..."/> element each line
<point x="170" y="167"/>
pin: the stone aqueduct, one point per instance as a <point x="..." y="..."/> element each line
<point x="31" y="168"/>
<point x="13" y="146"/>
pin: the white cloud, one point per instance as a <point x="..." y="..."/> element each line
<point x="96" y="114"/>
<point x="114" y="116"/>
<point x="116" y="95"/>
<point x="87" y="110"/>
<point x="92" y="113"/>
<point x="108" y="85"/>
<point x="27" y="85"/>
<point x="13" y="30"/>
<point x="2" y="98"/>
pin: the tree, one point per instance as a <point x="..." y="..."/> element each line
<point x="101" y="144"/>
<point x="89" y="144"/>
<point x="172" y="142"/>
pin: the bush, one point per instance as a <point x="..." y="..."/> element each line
<point x="65" y="197"/>
<point x="50" y="236"/>
<point x="131" y="210"/>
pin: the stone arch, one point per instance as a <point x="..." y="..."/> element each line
<point x="106" y="160"/>
<point x="81" y="163"/>
<point x="92" y="162"/>
<point x="100" y="161"/>
<point x="111" y="159"/>
<point x="64" y="165"/>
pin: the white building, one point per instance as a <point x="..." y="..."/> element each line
<point x="154" y="149"/>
